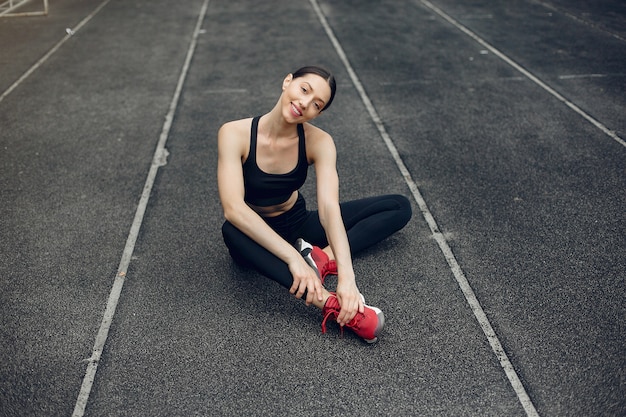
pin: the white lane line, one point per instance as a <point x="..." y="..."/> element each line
<point x="578" y="19"/>
<point x="227" y="91"/>
<point x="525" y="72"/>
<point x="158" y="160"/>
<point x="575" y="76"/>
<point x="459" y="275"/>
<point x="70" y="33"/>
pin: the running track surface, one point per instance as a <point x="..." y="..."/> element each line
<point x="502" y="121"/>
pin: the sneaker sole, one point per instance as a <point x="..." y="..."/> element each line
<point x="379" y="327"/>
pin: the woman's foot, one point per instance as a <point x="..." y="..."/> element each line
<point x="366" y="325"/>
<point x="317" y="259"/>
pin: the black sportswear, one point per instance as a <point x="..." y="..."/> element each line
<point x="263" y="189"/>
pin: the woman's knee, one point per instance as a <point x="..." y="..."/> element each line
<point x="232" y="238"/>
<point x="403" y="205"/>
<point x="404" y="210"/>
<point x="228" y="231"/>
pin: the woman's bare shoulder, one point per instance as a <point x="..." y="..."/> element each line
<point x="236" y="127"/>
<point x="316" y="134"/>
<point x="320" y="146"/>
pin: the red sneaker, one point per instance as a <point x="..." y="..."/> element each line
<point x="317" y="259"/>
<point x="366" y="325"/>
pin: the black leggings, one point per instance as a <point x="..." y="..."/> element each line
<point x="367" y="221"/>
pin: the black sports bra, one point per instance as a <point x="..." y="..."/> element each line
<point x="263" y="189"/>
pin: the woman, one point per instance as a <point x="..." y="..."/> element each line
<point x="262" y="162"/>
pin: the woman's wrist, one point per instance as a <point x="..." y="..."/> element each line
<point x="345" y="277"/>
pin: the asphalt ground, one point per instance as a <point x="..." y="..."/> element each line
<point x="503" y="122"/>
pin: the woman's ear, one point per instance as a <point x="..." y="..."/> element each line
<point x="287" y="80"/>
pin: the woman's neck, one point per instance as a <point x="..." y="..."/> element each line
<point x="275" y="125"/>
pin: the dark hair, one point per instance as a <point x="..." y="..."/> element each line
<point x="325" y="74"/>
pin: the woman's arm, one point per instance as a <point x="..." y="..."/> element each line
<point x="324" y="156"/>
<point x="232" y="145"/>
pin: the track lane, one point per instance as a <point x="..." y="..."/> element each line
<point x="527" y="191"/>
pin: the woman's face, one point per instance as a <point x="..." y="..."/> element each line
<point x="304" y="97"/>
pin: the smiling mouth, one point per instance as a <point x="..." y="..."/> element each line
<point x="295" y="110"/>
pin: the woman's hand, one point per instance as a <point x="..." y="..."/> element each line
<point x="305" y="279"/>
<point x="350" y="301"/>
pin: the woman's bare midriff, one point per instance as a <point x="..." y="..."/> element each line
<point x="278" y="209"/>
